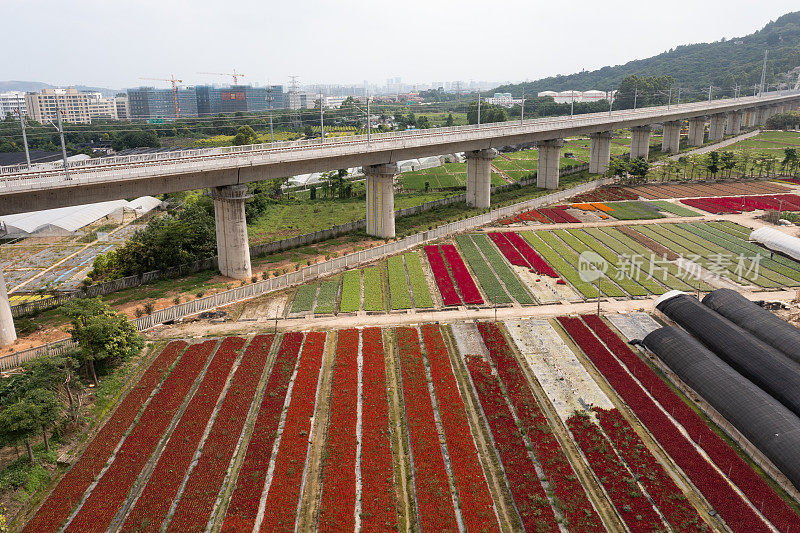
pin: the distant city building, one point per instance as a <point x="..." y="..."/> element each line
<point x="123" y="107"/>
<point x="566" y="97"/>
<point x="503" y="99"/>
<point x="208" y="100"/>
<point x="213" y="100"/>
<point x="12" y="101"/>
<point x="152" y="103"/>
<point x="74" y="105"/>
<point x="102" y="108"/>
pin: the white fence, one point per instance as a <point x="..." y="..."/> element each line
<point x="16" y="359"/>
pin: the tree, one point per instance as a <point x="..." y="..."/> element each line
<point x="617" y="168"/>
<point x="102" y="334"/>
<point x="727" y="161"/>
<point x="449" y="121"/>
<point x="48" y="409"/>
<point x="712" y="163"/>
<point x="19" y="422"/>
<point x="639" y="168"/>
<point x="789" y="158"/>
<point x="245" y="135"/>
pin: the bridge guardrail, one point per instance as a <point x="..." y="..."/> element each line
<point x="101" y="167"/>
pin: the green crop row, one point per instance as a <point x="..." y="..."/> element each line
<point x="629" y="274"/>
<point x="351" y="291"/>
<point x="743" y="238"/>
<point x="374" y="299"/>
<point x="539" y="242"/>
<point x="398" y="284"/>
<point x="513" y="285"/>
<point x="624" y="282"/>
<point x="632" y="210"/>
<point x="304" y="299"/>
<point x="326" y="299"/>
<point x="675" y="209"/>
<point x="491" y="285"/>
<point x="769" y="267"/>
<point x="416" y="276"/>
<point x="689" y="248"/>
<point x="666" y="272"/>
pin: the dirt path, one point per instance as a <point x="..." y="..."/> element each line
<point x="203" y="328"/>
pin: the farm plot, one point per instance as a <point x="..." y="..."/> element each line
<point x="664" y="413"/>
<point x="511" y="282"/>
<point x="694" y="190"/>
<point x="491" y="285"/>
<point x="450" y="268"/>
<point x="740" y="204"/>
<point x="447" y="176"/>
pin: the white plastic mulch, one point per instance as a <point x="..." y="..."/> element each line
<point x="564" y="379"/>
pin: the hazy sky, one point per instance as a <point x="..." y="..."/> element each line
<point x="112" y="43"/>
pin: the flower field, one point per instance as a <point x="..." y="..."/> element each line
<point x="375" y="430"/>
<point x="739" y="204"/>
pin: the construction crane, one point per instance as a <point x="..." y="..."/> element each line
<point x="235" y="75"/>
<point x="175" y="83"/>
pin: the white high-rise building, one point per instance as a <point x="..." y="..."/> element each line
<point x="12" y="101"/>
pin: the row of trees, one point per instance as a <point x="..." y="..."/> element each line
<point x="48" y="393"/>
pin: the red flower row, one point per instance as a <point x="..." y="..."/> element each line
<point x="539" y="264"/>
<point x="204" y="483"/>
<point x="635" y="509"/>
<point x="559" y="214"/>
<point x="442" y="276"/>
<point x="680" y="514"/>
<point x="243" y="507"/>
<point x="738" y="515"/>
<point x="473" y="490"/>
<point x="508" y="250"/>
<point x="736" y="204"/>
<point x="567" y="487"/>
<point x="529" y="496"/>
<point x="153" y="505"/>
<point x="466" y="285"/>
<point x="73" y="485"/>
<point x="737" y="470"/>
<point x="111" y="490"/>
<point x="284" y="490"/>
<point x="378" y="510"/>
<point x="436" y="512"/>
<point x="337" y="510"/>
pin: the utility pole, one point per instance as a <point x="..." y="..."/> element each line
<point x="669" y="99"/>
<point x="572" y="105"/>
<point x="63" y="145"/>
<point x="24" y="137"/>
<point x="710" y="87"/>
<point x="522" y="114"/>
<point x="369" y="119"/>
<point x="321" y="120"/>
<point x="764" y="71"/>
<point x="611" y="104"/>
<point x="635" y="97"/>
<point x="270" y="98"/>
<point x="479" y="109"/>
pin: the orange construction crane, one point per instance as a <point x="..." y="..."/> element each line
<point x="174" y="90"/>
<point x="235" y="75"/>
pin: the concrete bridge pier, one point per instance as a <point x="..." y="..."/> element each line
<point x="7" y="332"/>
<point x="734" y="125"/>
<point x="233" y="248"/>
<point x="716" y="127"/>
<point x="671" y="141"/>
<point x="380" y="199"/>
<point x="761" y="115"/>
<point x="697" y="131"/>
<point x="640" y="141"/>
<point x="599" y="152"/>
<point x="479" y="177"/>
<point x="549" y="159"/>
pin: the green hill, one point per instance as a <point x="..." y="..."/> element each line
<point x="724" y="63"/>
